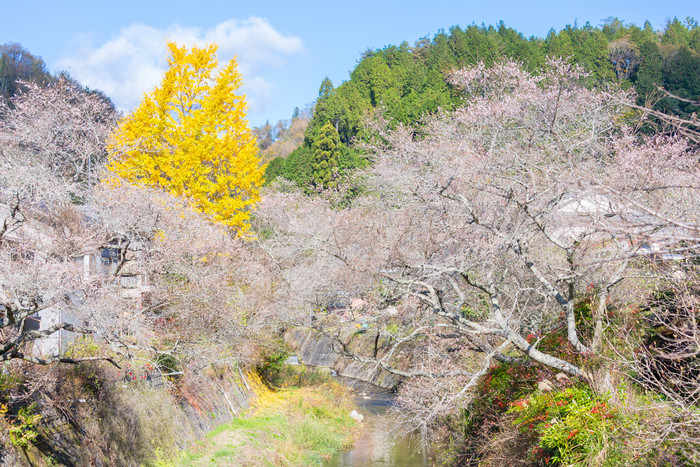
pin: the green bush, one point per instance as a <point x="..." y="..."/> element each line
<point x="169" y="366"/>
<point x="23" y="429"/>
<point x="574" y="426"/>
<point x="272" y="366"/>
<point x="504" y="383"/>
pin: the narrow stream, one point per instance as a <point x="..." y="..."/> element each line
<point x="377" y="446"/>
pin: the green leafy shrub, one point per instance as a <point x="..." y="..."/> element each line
<point x="169" y="366"/>
<point x="23" y="428"/>
<point x="272" y="366"/>
<point x="83" y="346"/>
<point x="573" y="426"/>
<point x="504" y="383"/>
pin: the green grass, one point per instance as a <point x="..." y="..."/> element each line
<point x="224" y="453"/>
<point x="295" y="426"/>
<point x="219" y="429"/>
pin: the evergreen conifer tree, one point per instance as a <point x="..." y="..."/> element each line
<point x="324" y="159"/>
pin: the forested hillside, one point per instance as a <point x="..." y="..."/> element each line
<point x="408" y="82"/>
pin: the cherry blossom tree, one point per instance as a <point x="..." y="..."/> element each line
<point x="663" y="188"/>
<point x="202" y="292"/>
<point x="86" y="253"/>
<point x="51" y="139"/>
<point x="61" y="127"/>
<point x="483" y="228"/>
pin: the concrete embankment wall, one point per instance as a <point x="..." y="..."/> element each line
<point x="130" y="423"/>
<point x="314" y="348"/>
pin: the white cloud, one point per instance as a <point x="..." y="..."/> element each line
<point x="134" y="62"/>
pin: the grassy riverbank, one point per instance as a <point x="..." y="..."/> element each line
<point x="287" y="427"/>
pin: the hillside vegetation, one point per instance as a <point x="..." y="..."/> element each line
<point x="406" y="83"/>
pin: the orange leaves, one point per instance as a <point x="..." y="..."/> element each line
<point x="190" y="137"/>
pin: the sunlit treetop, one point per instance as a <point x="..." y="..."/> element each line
<point x="190" y="137"/>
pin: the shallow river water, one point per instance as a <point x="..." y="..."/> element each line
<point x="377" y="446"/>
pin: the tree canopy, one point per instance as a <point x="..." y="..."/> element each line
<point x="190" y="137"/>
<point x="506" y="249"/>
<point x="408" y="82"/>
<point x="18" y="66"/>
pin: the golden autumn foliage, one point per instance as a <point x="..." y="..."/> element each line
<point x="190" y="137"/>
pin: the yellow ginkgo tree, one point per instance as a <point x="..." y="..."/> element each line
<point x="190" y="137"/>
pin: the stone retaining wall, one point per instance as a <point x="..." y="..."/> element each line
<point x="313" y="348"/>
<point x="87" y="433"/>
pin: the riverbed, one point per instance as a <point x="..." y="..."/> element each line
<point x="378" y="445"/>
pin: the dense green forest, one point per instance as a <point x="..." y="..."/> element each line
<point x="408" y="82"/>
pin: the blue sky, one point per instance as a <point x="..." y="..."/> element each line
<point x="284" y="48"/>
